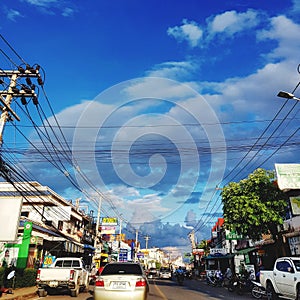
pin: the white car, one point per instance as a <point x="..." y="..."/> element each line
<point x="165" y="273"/>
<point x="121" y="280"/>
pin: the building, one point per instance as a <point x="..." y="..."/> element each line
<point x="49" y="226"/>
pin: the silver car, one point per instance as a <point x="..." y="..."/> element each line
<point x="121" y="280"/>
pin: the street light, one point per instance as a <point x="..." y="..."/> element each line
<point x="283" y="94"/>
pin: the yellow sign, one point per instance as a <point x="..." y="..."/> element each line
<point x="109" y="221"/>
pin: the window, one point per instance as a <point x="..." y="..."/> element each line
<point x="283" y="266"/>
<point x="133" y="269"/>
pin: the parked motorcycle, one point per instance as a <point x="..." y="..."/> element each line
<point x="233" y="283"/>
<point x="180" y="278"/>
<point x="211" y="278"/>
<point x="258" y="291"/>
<point x="240" y="284"/>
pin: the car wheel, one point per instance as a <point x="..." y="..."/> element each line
<point x="257" y="292"/>
<point x="298" y="293"/>
<point x="75" y="292"/>
<point x="271" y="295"/>
<point x="42" y="293"/>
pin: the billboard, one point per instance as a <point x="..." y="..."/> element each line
<point x="288" y="176"/>
<point x="109" y="221"/>
<point x="10" y="215"/>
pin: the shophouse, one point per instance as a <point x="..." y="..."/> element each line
<point x="49" y="226"/>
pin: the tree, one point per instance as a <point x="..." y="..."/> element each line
<point x="205" y="246"/>
<point x="254" y="206"/>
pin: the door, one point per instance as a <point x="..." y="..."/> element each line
<point x="284" y="275"/>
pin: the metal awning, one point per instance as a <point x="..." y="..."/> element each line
<point x="245" y="251"/>
<point x="227" y="256"/>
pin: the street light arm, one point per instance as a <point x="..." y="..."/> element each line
<point x="287" y="95"/>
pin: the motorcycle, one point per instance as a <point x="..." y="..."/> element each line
<point x="233" y="283"/>
<point x="180" y="278"/>
<point x="240" y="284"/>
<point x="258" y="291"/>
<point x="211" y="278"/>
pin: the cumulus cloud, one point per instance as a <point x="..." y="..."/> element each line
<point x="284" y="31"/>
<point x="232" y="22"/>
<point x="189" y="31"/>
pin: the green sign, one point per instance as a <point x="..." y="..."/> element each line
<point x="233" y="236"/>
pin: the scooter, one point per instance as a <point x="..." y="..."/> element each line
<point x="258" y="291"/>
<point x="211" y="278"/>
<point x="180" y="278"/>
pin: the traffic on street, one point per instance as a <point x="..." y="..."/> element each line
<point x="168" y="289"/>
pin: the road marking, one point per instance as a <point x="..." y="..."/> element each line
<point x="162" y="295"/>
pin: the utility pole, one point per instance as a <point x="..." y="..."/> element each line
<point x="14" y="90"/>
<point x="147" y="238"/>
<point x="136" y="245"/>
<point x="97" y="222"/>
<point x="120" y="237"/>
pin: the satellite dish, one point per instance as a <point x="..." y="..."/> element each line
<point x="11" y="275"/>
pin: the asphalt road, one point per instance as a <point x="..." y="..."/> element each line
<point x="170" y="290"/>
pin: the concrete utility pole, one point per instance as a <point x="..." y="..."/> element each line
<point x="13" y="91"/>
<point x="147" y="238"/>
<point x="98" y="222"/>
<point x="136" y="245"/>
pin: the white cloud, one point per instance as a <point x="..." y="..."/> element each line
<point x="13" y="14"/>
<point x="285" y="32"/>
<point x="232" y="22"/>
<point x="173" y="70"/>
<point x="42" y="3"/>
<point x="189" y="31"/>
<point x="296" y="5"/>
<point x="67" y="12"/>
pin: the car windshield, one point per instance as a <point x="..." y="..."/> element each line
<point x="67" y="264"/>
<point x="297" y="264"/>
<point x="165" y="270"/>
<point x="112" y="269"/>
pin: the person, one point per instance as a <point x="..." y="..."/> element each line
<point x="179" y="271"/>
<point x="227" y="276"/>
<point x="180" y="275"/>
<point x="242" y="270"/>
<point x="228" y="273"/>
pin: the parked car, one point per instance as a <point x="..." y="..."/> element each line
<point x="121" y="280"/>
<point x="152" y="273"/>
<point x="165" y="273"/>
<point x="283" y="280"/>
<point x="66" y="273"/>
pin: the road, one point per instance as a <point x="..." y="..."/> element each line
<point x="170" y="290"/>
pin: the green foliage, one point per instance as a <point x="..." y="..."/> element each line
<point x="23" y="277"/>
<point x="254" y="206"/>
<point x="204" y="245"/>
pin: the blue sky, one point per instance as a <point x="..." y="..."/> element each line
<point x="160" y="101"/>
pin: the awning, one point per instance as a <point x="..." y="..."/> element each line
<point x="227" y="256"/>
<point x="87" y="246"/>
<point x="245" y="251"/>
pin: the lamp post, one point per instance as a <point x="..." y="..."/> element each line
<point x="287" y="95"/>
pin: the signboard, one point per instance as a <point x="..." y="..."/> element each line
<point x="288" y="176"/>
<point x="60" y="213"/>
<point x="9" y="215"/>
<point x="295" y="205"/>
<point x="108" y="229"/>
<point x="123" y="255"/>
<point x="48" y="261"/>
<point x="233" y="236"/>
<point x="215" y="251"/>
<point x="109" y="222"/>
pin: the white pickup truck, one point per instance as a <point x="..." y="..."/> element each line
<point x="66" y="273"/>
<point x="283" y="280"/>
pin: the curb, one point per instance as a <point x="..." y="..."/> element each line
<point x="19" y="297"/>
